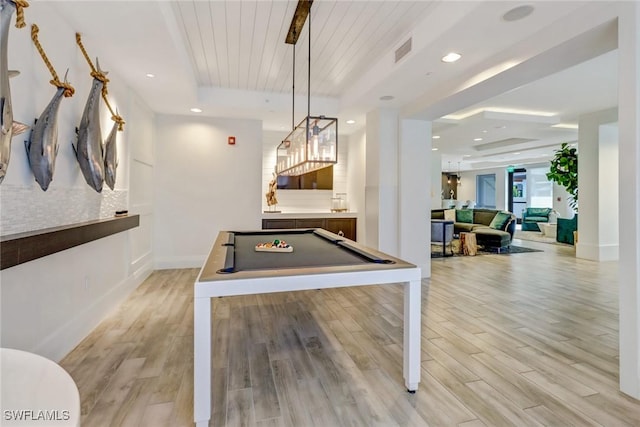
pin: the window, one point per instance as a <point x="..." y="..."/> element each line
<point x="541" y="188"/>
<point x="486" y="191"/>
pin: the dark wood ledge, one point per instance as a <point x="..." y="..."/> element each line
<point x="23" y="247"/>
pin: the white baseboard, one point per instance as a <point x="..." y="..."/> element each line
<point x="68" y="336"/>
<point x="193" y="261"/>
<point x="598" y="252"/>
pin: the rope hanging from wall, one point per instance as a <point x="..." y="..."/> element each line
<point x="68" y="89"/>
<point x="97" y="74"/>
<point x="20" y="5"/>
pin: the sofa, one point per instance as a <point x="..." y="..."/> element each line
<point x="496" y="234"/>
<point x="532" y="216"/>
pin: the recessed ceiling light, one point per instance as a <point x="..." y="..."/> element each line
<point x="467" y="155"/>
<point x="500" y="127"/>
<point x="477" y="139"/>
<point x="435" y="137"/>
<point x="386" y="98"/>
<point x="515" y="154"/>
<point x="451" y="57"/>
<point x="350" y="122"/>
<point x="518" y="13"/>
<point x="196" y="110"/>
<point x="150" y="75"/>
<point x="484" y="131"/>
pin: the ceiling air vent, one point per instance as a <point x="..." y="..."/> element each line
<point x="402" y="51"/>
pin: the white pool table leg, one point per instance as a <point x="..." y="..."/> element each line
<point x="412" y="320"/>
<point x="202" y="361"/>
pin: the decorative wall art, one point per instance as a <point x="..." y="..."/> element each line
<point x="89" y="149"/>
<point x="111" y="156"/>
<point x="42" y="147"/>
<point x="7" y="126"/>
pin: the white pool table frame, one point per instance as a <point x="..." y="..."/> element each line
<point x="210" y="284"/>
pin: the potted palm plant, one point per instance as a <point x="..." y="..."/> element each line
<point x="564" y="171"/>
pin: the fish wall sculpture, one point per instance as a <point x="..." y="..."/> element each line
<point x="111" y="156"/>
<point x="88" y="148"/>
<point x="42" y="147"/>
<point x="7" y="8"/>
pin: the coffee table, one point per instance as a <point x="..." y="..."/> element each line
<point x="549" y="230"/>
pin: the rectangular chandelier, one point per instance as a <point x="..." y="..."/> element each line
<point x="312" y="145"/>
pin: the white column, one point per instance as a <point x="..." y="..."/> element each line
<point x="436" y="179"/>
<point x="629" y="202"/>
<point x="597" y="186"/>
<point x="381" y="181"/>
<point x="414" y="183"/>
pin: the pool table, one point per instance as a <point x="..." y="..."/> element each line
<point x="320" y="259"/>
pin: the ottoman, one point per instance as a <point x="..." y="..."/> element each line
<point x="492" y="238"/>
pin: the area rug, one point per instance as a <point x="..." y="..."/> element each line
<point x="436" y="250"/>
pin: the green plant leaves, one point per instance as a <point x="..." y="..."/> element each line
<point x="564" y="171"/>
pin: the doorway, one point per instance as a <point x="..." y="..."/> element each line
<point x="517" y="197"/>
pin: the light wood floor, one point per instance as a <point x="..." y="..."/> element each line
<point x="524" y="339"/>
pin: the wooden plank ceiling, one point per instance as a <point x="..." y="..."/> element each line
<point x="241" y="44"/>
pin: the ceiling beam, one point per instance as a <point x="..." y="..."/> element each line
<point x="298" y="20"/>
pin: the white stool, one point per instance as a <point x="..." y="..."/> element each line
<point x="36" y="391"/>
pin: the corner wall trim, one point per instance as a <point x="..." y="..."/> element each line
<point x="19" y="248"/>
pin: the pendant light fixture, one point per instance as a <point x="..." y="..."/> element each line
<point x="313" y="143"/>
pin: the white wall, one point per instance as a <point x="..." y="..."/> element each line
<point x="50" y="304"/>
<point x="467" y="190"/>
<point x="561" y="201"/>
<point x="356" y="179"/>
<point x="436" y="180"/>
<point x="203" y="185"/>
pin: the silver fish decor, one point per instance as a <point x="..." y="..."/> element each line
<point x="18" y="127"/>
<point x="42" y="147"/>
<point x="88" y="148"/>
<point x="6" y="118"/>
<point x="111" y="157"/>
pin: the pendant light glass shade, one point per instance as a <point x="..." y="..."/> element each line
<point x="312" y="145"/>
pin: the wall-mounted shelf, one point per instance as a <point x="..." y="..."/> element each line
<point x="19" y="248"/>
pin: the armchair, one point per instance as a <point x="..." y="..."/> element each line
<point x="442" y="233"/>
<point x="532" y="216"/>
<point x="566" y="227"/>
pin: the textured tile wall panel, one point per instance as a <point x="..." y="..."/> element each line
<point x="28" y="209"/>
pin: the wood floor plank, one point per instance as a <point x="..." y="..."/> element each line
<point x="265" y="398"/>
<point x="502" y="344"/>
<point x="132" y="410"/>
<point x="158" y="415"/>
<point x="294" y="412"/>
<point x="240" y="408"/>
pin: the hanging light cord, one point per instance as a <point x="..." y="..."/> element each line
<point x="293" y="92"/>
<point x="309" y="73"/>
